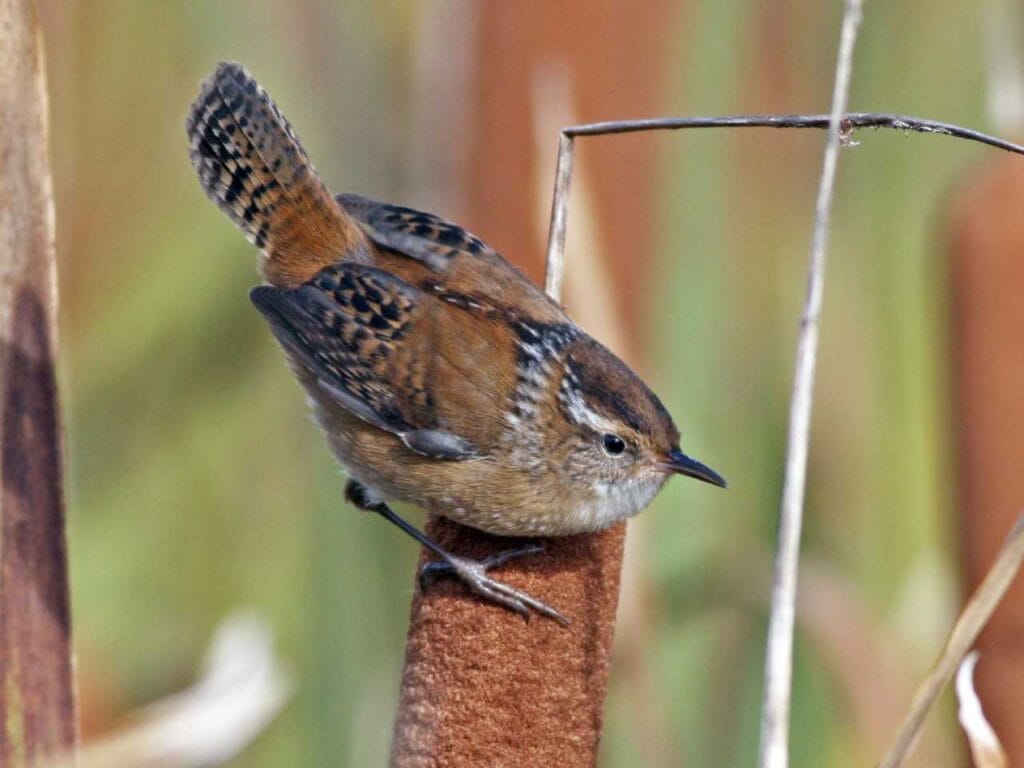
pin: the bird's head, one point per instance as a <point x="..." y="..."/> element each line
<point x="614" y="437"/>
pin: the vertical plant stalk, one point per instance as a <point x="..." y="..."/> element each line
<point x="481" y="686"/>
<point x="554" y="269"/>
<point x="774" y="748"/>
<point x="475" y="689"/>
<point x="37" y="698"/>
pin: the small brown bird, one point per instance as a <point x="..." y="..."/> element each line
<point x="440" y="374"/>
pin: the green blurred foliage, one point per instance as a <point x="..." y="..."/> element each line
<point x="198" y="483"/>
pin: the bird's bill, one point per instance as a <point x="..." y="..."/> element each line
<point x="679" y="463"/>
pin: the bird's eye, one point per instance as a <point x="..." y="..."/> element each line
<point x="613" y="445"/>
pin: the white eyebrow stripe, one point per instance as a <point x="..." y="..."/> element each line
<point x="577" y="410"/>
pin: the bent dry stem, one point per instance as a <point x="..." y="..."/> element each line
<point x="774" y="751"/>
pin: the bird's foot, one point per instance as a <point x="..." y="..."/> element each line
<point x="474" y="573"/>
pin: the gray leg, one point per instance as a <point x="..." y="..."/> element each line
<point x="473" y="572"/>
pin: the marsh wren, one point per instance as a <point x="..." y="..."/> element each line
<point x="440" y="374"/>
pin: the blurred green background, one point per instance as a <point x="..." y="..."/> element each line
<point x="198" y="483"/>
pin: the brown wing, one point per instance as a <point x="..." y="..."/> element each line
<point x="419" y="235"/>
<point x="367" y="336"/>
<point x="462" y="261"/>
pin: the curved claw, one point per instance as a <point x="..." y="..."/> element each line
<point x="433" y="570"/>
<point x="486" y="590"/>
<point x="527" y="602"/>
<point x="501" y="558"/>
<point x="474" y="573"/>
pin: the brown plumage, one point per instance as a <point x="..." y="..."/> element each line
<point x="252" y="165"/>
<point x="440" y="374"/>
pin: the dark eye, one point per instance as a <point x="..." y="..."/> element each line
<point x="613" y="445"/>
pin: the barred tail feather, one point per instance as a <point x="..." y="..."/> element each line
<point x="251" y="163"/>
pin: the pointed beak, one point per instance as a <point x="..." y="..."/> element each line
<point x="679" y="463"/>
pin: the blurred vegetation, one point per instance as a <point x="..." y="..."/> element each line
<point x="198" y="483"/>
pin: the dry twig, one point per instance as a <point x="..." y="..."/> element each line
<point x="778" y="673"/>
<point x="851" y="121"/>
<point x="965" y="631"/>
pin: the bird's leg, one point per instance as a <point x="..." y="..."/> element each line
<point x="473" y="572"/>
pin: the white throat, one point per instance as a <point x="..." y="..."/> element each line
<point x="611" y="503"/>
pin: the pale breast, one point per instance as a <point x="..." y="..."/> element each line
<point x="611" y="503"/>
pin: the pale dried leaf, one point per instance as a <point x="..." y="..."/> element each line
<point x="240" y="690"/>
<point x="966" y="630"/>
<point x="985" y="747"/>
